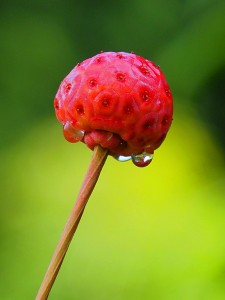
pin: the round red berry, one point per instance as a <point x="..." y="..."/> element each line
<point x="120" y="101"/>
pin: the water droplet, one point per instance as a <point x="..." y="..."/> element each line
<point x="142" y="160"/>
<point x="122" y="158"/>
<point x="71" y="133"/>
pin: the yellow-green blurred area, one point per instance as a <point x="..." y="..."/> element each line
<point x="147" y="233"/>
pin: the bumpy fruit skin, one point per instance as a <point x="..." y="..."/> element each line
<point x="118" y="100"/>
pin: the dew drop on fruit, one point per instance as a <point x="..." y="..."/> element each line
<point x="142" y="160"/>
<point x="71" y="133"/>
<point x="122" y="158"/>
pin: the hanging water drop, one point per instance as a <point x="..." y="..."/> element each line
<point x="71" y="133"/>
<point x="142" y="160"/>
<point x="122" y="158"/>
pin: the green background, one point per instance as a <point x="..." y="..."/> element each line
<point x="153" y="233"/>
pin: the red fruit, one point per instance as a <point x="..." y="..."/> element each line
<point x="120" y="101"/>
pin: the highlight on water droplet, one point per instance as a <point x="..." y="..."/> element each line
<point x="142" y="160"/>
<point x="71" y="133"/>
<point x="122" y="158"/>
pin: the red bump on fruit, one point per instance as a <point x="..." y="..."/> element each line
<point x="120" y="101"/>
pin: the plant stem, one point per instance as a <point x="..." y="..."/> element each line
<point x="97" y="162"/>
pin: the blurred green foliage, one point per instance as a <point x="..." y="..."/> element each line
<point x="155" y="234"/>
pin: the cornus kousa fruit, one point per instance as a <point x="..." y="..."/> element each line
<point x="119" y="101"/>
<point x="118" y="104"/>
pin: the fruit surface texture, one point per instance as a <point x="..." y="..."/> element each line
<point x="118" y="100"/>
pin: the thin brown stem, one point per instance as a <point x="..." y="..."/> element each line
<point x="94" y="170"/>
